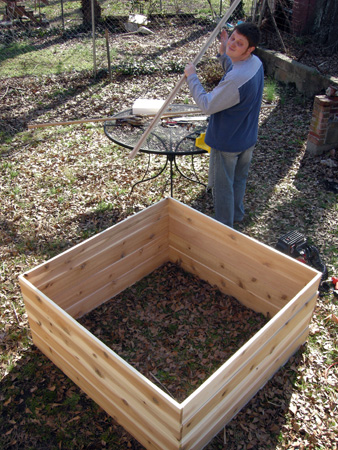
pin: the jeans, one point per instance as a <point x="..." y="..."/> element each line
<point x="228" y="173"/>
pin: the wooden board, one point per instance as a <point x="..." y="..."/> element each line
<point x="91" y="273"/>
<point x="198" y="440"/>
<point x="228" y="287"/>
<point x="86" y="284"/>
<point x="91" y="248"/>
<point x="217" y="381"/>
<point x="117" y="285"/>
<point x="247" y="248"/>
<point x="242" y="378"/>
<point x="103" y="371"/>
<point x="225" y="264"/>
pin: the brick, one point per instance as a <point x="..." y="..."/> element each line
<point x="324" y="118"/>
<point x="315" y="139"/>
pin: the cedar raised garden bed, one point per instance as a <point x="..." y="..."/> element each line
<point x="70" y="285"/>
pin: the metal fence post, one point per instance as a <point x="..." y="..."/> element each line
<point x="93" y="33"/>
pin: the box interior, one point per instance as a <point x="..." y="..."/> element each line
<point x="70" y="285"/>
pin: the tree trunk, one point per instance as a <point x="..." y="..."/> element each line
<point x="238" y="13"/>
<point x="86" y="7"/>
<point x="325" y="25"/>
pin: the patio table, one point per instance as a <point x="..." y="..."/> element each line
<point x="172" y="137"/>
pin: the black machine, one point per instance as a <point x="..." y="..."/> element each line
<point x="295" y="244"/>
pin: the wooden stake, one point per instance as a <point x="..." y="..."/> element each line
<point x="130" y="116"/>
<point x="104" y="119"/>
<point x="178" y="86"/>
<point x="71" y="122"/>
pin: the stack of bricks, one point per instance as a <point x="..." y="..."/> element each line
<point x="302" y="15"/>
<point x="323" y="134"/>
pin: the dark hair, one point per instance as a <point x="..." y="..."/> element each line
<point x="250" y="31"/>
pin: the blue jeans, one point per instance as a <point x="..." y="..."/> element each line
<point x="228" y="173"/>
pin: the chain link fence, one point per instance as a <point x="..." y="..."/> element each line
<point x="39" y="37"/>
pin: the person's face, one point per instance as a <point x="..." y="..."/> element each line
<point x="238" y="47"/>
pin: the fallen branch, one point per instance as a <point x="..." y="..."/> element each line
<point x="327" y="370"/>
<point x="276" y="28"/>
<point x="3" y="96"/>
<point x="162" y="385"/>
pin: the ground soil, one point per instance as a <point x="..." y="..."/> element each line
<point x="61" y="185"/>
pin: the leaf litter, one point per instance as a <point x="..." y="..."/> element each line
<point x="174" y="328"/>
<point x="61" y="185"/>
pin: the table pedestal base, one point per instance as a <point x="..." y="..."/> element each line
<point x="172" y="161"/>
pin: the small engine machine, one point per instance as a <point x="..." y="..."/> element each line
<point x="295" y="244"/>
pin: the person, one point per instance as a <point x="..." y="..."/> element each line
<point x="233" y="106"/>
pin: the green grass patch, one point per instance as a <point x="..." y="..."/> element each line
<point x="22" y="59"/>
<point x="270" y="93"/>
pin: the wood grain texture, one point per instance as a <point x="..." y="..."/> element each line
<point x="226" y="286"/>
<point x="82" y="278"/>
<point x="142" y="431"/>
<point x="216" y="382"/>
<point x="124" y="255"/>
<point x="120" y="281"/>
<point x="241" y="378"/>
<point x="91" y="248"/>
<point x="249" y="249"/>
<point x="222" y="417"/>
<point x="228" y="265"/>
<point x="104" y="372"/>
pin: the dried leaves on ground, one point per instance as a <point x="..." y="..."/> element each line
<point x="61" y="185"/>
<point x="174" y="328"/>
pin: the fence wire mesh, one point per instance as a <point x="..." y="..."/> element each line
<point x="40" y="37"/>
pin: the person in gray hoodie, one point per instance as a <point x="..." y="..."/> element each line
<point x="234" y="106"/>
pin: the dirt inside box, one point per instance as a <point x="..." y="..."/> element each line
<point x="174" y="328"/>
